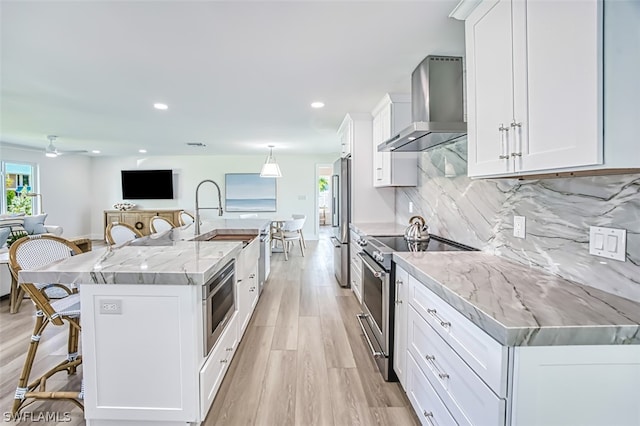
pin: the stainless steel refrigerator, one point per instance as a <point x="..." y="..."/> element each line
<point x="340" y="218"/>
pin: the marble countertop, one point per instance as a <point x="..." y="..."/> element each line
<point x="522" y="306"/>
<point x="379" y="229"/>
<point x="173" y="257"/>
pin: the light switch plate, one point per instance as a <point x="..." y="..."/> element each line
<point x="519" y="226"/>
<point x="608" y="242"/>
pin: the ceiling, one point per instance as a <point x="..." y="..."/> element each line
<point x="236" y="75"/>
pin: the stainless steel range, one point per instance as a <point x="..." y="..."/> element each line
<point x="378" y="294"/>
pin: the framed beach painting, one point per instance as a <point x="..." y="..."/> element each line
<point x="248" y="192"/>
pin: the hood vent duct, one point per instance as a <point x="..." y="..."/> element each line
<point x="437" y="109"/>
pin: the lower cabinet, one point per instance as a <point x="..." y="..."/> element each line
<point x="216" y="366"/>
<point x="457" y="374"/>
<point x="355" y="266"/>
<point x="247" y="298"/>
<point x="424" y="399"/>
<point x="400" y="324"/>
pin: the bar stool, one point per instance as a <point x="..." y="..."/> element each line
<point x="55" y="304"/>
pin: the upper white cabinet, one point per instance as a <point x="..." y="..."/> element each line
<point x="392" y="114"/>
<point x="368" y="203"/>
<point x="346" y="133"/>
<point x="534" y="77"/>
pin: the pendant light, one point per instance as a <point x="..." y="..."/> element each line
<point x="270" y="168"/>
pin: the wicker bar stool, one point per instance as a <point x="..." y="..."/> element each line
<point x="185" y="218"/>
<point x="119" y="233"/>
<point x="55" y="304"/>
<point x="160" y="224"/>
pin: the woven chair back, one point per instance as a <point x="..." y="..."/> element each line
<point x="119" y="233"/>
<point x="33" y="252"/>
<point x="160" y="224"/>
<point x="186" y="218"/>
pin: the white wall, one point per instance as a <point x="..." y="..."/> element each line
<point x="65" y="185"/>
<point x="296" y="190"/>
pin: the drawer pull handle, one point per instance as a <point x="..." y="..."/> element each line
<point x="398" y="302"/>
<point x="432" y="360"/>
<point x="428" y="415"/>
<point x="229" y="349"/>
<point x="222" y="361"/>
<point x="252" y="289"/>
<point x="442" y="322"/>
<point x="252" y="276"/>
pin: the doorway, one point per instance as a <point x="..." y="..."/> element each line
<point x="323" y="191"/>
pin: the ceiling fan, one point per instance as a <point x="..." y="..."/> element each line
<point x="52" y="151"/>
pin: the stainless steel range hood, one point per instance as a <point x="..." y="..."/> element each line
<point x="437" y="108"/>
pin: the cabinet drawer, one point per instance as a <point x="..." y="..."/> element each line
<point x="483" y="354"/>
<point x="466" y="396"/>
<point x="424" y="399"/>
<point x="216" y="366"/>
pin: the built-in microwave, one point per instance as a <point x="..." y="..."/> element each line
<point x="218" y="304"/>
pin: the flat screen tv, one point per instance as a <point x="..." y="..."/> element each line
<point x="147" y="184"/>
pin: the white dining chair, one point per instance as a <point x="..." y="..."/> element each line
<point x="160" y="224"/>
<point x="287" y="233"/>
<point x="304" y="217"/>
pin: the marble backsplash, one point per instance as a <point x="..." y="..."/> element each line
<point x="479" y="213"/>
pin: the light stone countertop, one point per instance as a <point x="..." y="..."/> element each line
<point x="169" y="258"/>
<point x="522" y="306"/>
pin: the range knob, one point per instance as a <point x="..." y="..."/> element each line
<point x="378" y="256"/>
<point x="362" y="242"/>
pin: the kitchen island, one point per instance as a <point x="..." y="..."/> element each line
<point x="146" y="357"/>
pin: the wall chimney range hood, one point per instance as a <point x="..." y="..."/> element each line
<point x="437" y="109"/>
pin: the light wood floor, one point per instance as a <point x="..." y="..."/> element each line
<point x="302" y="360"/>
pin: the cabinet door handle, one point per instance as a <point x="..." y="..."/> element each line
<point x="428" y="415"/>
<point x="252" y="289"/>
<point x="517" y="130"/>
<point x="431" y="359"/>
<point x="252" y="276"/>
<point x="442" y="322"/>
<point x="504" y="142"/>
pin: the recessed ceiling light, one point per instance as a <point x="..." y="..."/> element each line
<point x="96" y="151"/>
<point x="317" y="104"/>
<point x="160" y="106"/>
<point x="142" y="151"/>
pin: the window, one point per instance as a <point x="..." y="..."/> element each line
<point x="19" y="179"/>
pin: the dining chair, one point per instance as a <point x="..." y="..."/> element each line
<point x="301" y="216"/>
<point x="185" y="218"/>
<point x="160" y="224"/>
<point x="55" y="304"/>
<point x="119" y="233"/>
<point x="287" y="233"/>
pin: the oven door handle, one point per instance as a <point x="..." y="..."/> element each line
<point x="376" y="354"/>
<point x="375" y="269"/>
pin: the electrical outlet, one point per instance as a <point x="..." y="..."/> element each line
<point x="410" y="207"/>
<point x="111" y="306"/>
<point x="519" y="227"/>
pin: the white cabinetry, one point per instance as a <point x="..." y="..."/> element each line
<point x="534" y="88"/>
<point x="217" y="364"/>
<point x="345" y="131"/>
<point x="356" y="266"/>
<point x="457" y="374"/>
<point x="400" y="325"/>
<point x="368" y="204"/>
<point x="247" y="283"/>
<point x="392" y="114"/>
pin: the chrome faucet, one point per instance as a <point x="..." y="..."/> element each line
<point x="198" y="208"/>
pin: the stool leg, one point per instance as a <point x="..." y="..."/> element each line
<point x="23" y="382"/>
<point x="72" y="345"/>
<point x="302" y="247"/>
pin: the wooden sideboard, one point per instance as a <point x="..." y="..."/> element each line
<point x="139" y="219"/>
